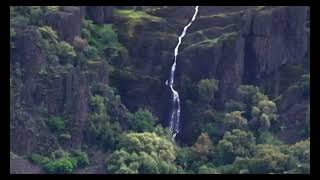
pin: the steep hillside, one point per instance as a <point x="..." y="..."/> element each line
<point x="88" y="92"/>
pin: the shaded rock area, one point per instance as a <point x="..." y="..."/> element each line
<point x="18" y="165"/>
<point x="292" y="108"/>
<point x="99" y="14"/>
<point x="66" y="22"/>
<point x="27" y="130"/>
<point x="277" y="37"/>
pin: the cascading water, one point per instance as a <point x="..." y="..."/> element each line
<point x="175" y="114"/>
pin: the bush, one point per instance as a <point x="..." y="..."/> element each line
<point x="103" y="37"/>
<point x="81" y="158"/>
<point x="235" y="143"/>
<point x="49" y="34"/>
<point x="62" y="165"/>
<point x="62" y="161"/>
<point x="142" y="153"/>
<point x="100" y="127"/>
<point x="203" y="146"/>
<point x="56" y="124"/>
<point x="233" y="105"/>
<point x="65" y="136"/>
<point x="39" y="159"/>
<point x="207" y="170"/>
<point x="269" y="138"/>
<point x="65" y="52"/>
<point x="143" y="120"/>
<point x="79" y="43"/>
<point x="206" y="89"/>
<point x="234" y="120"/>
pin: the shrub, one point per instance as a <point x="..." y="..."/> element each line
<point x="62" y="161"/>
<point x="207" y="170"/>
<point x="142" y="153"/>
<point x="39" y="159"/>
<point x="65" y="136"/>
<point x="206" y="89"/>
<point x="235" y="143"/>
<point x="81" y="158"/>
<point x="62" y="165"/>
<point x="56" y="124"/>
<point x="65" y="52"/>
<point x="49" y="34"/>
<point x="234" y="120"/>
<point x="102" y="37"/>
<point x="79" y="43"/>
<point x="269" y="138"/>
<point x="143" y="120"/>
<point x="203" y="146"/>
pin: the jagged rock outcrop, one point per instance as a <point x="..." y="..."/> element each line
<point x="77" y="94"/>
<point x="99" y="14"/>
<point x="292" y="108"/>
<point x="28" y="132"/>
<point x="37" y="95"/>
<point x="66" y="22"/>
<point x="277" y="36"/>
<point x="234" y="45"/>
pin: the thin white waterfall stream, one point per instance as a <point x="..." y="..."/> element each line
<point x="175" y="114"/>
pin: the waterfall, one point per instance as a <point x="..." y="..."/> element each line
<point x="175" y="114"/>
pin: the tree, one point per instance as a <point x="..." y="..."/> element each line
<point x="100" y="126"/>
<point x="235" y="143"/>
<point x="65" y="52"/>
<point x="299" y="154"/>
<point x="203" y="146"/>
<point x="266" y="159"/>
<point x="234" y="120"/>
<point x="56" y="124"/>
<point x="61" y="161"/>
<point x="262" y="109"/>
<point x="143" y="153"/>
<point x="143" y="120"/>
<point x="185" y="157"/>
<point x="207" y="89"/>
<point x="48" y="33"/>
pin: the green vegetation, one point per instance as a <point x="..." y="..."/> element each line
<point x="103" y="41"/>
<point x="143" y="120"/>
<point x="61" y="161"/>
<point x="206" y="89"/>
<point x="142" y="153"/>
<point x="56" y="124"/>
<point x="134" y="17"/>
<point x="100" y="126"/>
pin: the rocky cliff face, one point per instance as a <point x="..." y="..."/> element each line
<point x="235" y="45"/>
<point x="276" y="37"/>
<point x="66" y="22"/>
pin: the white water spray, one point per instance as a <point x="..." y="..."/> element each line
<point x="175" y="114"/>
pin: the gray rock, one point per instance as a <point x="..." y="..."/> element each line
<point x="66" y="22"/>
